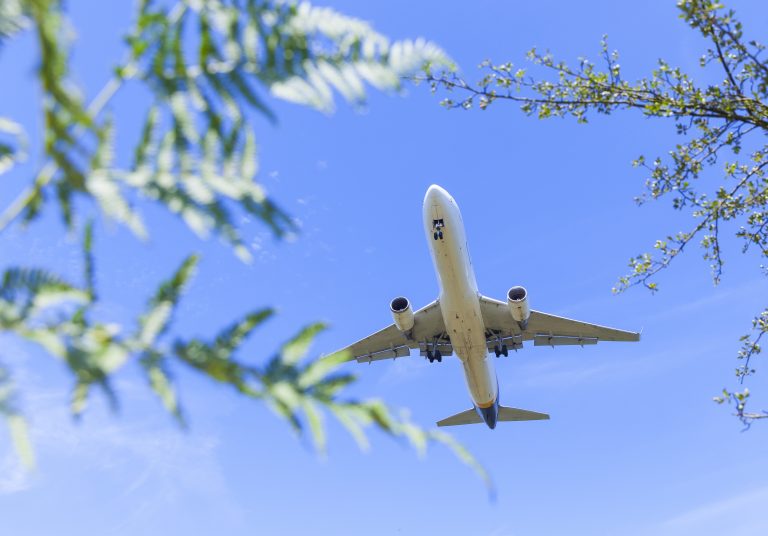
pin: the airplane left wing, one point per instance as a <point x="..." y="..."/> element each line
<point x="546" y="329"/>
<point x="390" y="342"/>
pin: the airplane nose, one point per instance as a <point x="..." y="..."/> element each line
<point x="435" y="192"/>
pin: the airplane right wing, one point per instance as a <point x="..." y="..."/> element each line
<point x="390" y="342"/>
<point x="546" y="329"/>
<point x="545" y="323"/>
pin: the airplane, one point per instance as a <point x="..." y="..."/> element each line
<point x="463" y="321"/>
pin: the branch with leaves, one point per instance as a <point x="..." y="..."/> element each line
<point x="717" y="121"/>
<point x="197" y="151"/>
<point x="207" y="68"/>
<point x="40" y="307"/>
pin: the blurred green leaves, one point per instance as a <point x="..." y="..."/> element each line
<point x="300" y="390"/>
<point x="208" y="69"/>
<point x="12" y="19"/>
<point x="17" y="426"/>
<point x="723" y="125"/>
<point x="12" y="144"/>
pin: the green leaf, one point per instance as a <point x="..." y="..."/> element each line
<point x="17" y="425"/>
<point x="27" y="283"/>
<point x="16" y="151"/>
<point x="233" y="336"/>
<point x="12" y="19"/>
<point x="155" y="321"/>
<point x="296" y="349"/>
<point x="316" y="425"/>
<point x="351" y="424"/>
<point x="88" y="263"/>
<point x="319" y="369"/>
<point x="160" y="382"/>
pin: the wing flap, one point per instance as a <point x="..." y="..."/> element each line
<point x="547" y="329"/>
<point x="544" y="339"/>
<point x="540" y="323"/>
<point x="400" y="351"/>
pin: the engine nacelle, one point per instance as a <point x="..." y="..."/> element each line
<point x="402" y="313"/>
<point x="517" y="301"/>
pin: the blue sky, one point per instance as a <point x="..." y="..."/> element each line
<point x="635" y="445"/>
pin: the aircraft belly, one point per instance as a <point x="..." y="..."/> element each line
<point x="481" y="382"/>
<point x="464" y="324"/>
<point x="460" y="303"/>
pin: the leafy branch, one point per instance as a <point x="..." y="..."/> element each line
<point x="716" y="120"/>
<point x="41" y="307"/>
<point x="206" y="68"/>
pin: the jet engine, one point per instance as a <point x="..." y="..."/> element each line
<point x="402" y="313"/>
<point x="517" y="301"/>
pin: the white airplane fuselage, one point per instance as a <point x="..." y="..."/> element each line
<point x="460" y="299"/>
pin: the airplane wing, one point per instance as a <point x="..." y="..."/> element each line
<point x="545" y="329"/>
<point x="390" y="342"/>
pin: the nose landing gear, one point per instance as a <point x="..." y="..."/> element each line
<point x="501" y="350"/>
<point x="437" y="227"/>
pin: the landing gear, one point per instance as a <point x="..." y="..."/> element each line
<point x="437" y="227"/>
<point x="497" y="350"/>
<point x="434" y="356"/>
<point x="501" y="350"/>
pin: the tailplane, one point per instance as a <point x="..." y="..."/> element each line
<point x="514" y="414"/>
<point x="471" y="416"/>
<point x="465" y="417"/>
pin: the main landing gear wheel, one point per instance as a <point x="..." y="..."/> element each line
<point x="440" y="235"/>
<point x="501" y="350"/>
<point x="435" y="235"/>
<point x="436" y="356"/>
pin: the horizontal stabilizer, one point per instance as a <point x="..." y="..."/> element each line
<point x="465" y="417"/>
<point x="471" y="416"/>
<point x="514" y="414"/>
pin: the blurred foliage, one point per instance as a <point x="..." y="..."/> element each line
<point x="207" y="67"/>
<point x="716" y="121"/>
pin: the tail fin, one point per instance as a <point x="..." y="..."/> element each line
<point x="514" y="414"/>
<point x="465" y="417"/>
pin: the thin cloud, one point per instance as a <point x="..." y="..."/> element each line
<point x="561" y="371"/>
<point x="154" y="465"/>
<point x="750" y="288"/>
<point x="744" y="513"/>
